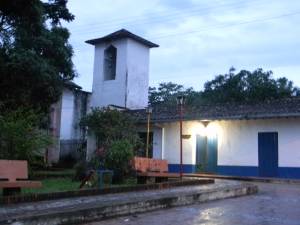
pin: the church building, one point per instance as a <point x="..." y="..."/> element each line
<point x="261" y="140"/>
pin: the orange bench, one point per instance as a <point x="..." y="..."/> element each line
<point x="14" y="175"/>
<point x="152" y="168"/>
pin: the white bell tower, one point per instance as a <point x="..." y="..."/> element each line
<point x="121" y="73"/>
<point x="121" y="70"/>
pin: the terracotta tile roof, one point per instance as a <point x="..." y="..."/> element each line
<point x="288" y="107"/>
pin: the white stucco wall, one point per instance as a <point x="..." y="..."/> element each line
<point x="130" y="88"/>
<point x="237" y="141"/>
<point x="106" y="92"/>
<point x="67" y="112"/>
<point x="138" y="75"/>
<point x="171" y="144"/>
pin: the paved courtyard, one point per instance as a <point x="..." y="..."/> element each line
<point x="274" y="204"/>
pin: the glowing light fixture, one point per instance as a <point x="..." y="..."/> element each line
<point x="205" y="130"/>
<point x="205" y="122"/>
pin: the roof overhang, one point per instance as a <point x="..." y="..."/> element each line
<point x="121" y="34"/>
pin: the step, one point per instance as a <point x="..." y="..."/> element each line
<point x="274" y="180"/>
<point x="92" y="208"/>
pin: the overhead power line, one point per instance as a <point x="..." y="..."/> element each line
<point x="154" y="15"/>
<point x="223" y="26"/>
<point x="155" y="18"/>
<point x="228" y="25"/>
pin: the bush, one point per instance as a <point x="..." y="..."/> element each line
<point x="20" y="137"/>
<point x="109" y="125"/>
<point x="116" y="136"/>
<point x="118" y="157"/>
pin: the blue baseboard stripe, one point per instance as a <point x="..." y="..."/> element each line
<point x="242" y="171"/>
<point x="247" y="171"/>
<point x="253" y="171"/>
<point x="187" y="168"/>
<point x="289" y="172"/>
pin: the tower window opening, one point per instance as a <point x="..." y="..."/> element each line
<point x="110" y="61"/>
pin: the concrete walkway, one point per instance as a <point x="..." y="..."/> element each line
<point x="275" y="204"/>
<point x="80" y="209"/>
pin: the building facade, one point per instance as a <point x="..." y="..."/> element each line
<point x="260" y="139"/>
<point x="239" y="140"/>
<point x="266" y="148"/>
<point x="65" y="116"/>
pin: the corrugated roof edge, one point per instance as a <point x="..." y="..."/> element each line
<point x="277" y="108"/>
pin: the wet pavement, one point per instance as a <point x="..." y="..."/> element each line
<point x="274" y="204"/>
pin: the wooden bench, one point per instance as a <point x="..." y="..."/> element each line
<point x="14" y="175"/>
<point x="152" y="168"/>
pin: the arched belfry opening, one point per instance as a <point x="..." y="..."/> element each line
<point x="110" y="63"/>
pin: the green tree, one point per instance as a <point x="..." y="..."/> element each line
<point x="167" y="93"/>
<point x="35" y="56"/>
<point x="20" y="139"/>
<point x="246" y="86"/>
<point x="242" y="87"/>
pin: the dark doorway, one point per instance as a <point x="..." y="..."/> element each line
<point x="268" y="154"/>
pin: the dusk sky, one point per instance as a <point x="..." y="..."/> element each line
<point x="198" y="38"/>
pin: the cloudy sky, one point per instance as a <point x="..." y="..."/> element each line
<point x="198" y="38"/>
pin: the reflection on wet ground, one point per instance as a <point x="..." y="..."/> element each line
<point x="274" y="204"/>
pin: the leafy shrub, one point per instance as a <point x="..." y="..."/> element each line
<point x="21" y="138"/>
<point x="116" y="136"/>
<point x="118" y="157"/>
<point x="109" y="125"/>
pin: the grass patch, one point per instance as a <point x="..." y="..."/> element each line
<point x="44" y="174"/>
<point x="67" y="184"/>
<point x="54" y="185"/>
<point x="50" y="185"/>
<point x="127" y="182"/>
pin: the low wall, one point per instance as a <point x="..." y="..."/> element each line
<point x="81" y="212"/>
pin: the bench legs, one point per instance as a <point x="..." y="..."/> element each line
<point x="11" y="191"/>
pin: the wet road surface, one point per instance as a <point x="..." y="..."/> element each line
<point x="274" y="204"/>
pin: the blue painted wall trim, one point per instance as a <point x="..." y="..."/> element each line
<point x="242" y="171"/>
<point x="289" y="172"/>
<point x="187" y="168"/>
<point x="247" y="171"/>
<point x="253" y="171"/>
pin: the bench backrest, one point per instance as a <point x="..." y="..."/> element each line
<point x="141" y="164"/>
<point x="13" y="169"/>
